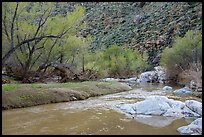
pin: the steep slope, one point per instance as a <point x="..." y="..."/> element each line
<point x="147" y="26"/>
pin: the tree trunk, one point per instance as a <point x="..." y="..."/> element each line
<point x="83" y="60"/>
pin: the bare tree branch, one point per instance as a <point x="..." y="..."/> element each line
<point x="41" y="24"/>
<point x="48" y="58"/>
<point x="11" y="51"/>
<point x="12" y="26"/>
<point x="19" y="60"/>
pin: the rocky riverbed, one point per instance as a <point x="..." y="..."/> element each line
<point x="158" y="104"/>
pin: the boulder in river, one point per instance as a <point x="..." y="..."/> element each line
<point x="149" y="76"/>
<point x="162" y="106"/>
<point x="195" y="128"/>
<point x="184" y="90"/>
<point x="161" y="74"/>
<point x="167" y="88"/>
<point x="158" y="75"/>
<point x="195" y="106"/>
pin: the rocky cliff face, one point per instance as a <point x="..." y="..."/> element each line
<point x="147" y="26"/>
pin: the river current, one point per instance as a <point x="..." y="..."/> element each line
<point x="94" y="116"/>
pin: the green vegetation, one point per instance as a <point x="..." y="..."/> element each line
<point x="34" y="46"/>
<point x="86" y="41"/>
<point x="10" y="87"/>
<point x="34" y="36"/>
<point x="117" y="61"/>
<point x="184" y="52"/>
<point x="35" y="94"/>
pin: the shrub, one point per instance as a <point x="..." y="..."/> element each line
<point x="184" y="51"/>
<point x="117" y="62"/>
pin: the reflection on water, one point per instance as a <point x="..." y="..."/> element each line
<point x="96" y="115"/>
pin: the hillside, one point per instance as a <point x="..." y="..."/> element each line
<point x="147" y="26"/>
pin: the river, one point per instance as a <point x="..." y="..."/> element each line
<point x="96" y="115"/>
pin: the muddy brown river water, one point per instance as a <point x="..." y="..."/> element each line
<point x="96" y="115"/>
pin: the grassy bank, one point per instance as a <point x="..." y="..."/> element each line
<point x="25" y="95"/>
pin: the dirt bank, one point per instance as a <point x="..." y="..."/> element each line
<point x="25" y="95"/>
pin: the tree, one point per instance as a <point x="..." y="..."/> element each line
<point x="185" y="51"/>
<point x="117" y="61"/>
<point x="34" y="32"/>
<point x="32" y="23"/>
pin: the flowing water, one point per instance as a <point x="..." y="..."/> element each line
<point x="97" y="115"/>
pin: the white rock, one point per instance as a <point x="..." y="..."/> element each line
<point x="175" y="104"/>
<point x="157" y="75"/>
<point x="189" y="113"/>
<point x="184" y="90"/>
<point x="159" y="68"/>
<point x="161" y="105"/>
<point x="176" y="109"/>
<point x="128" y="108"/>
<point x="167" y="88"/>
<point x="195" y="128"/>
<point x="174" y="113"/>
<point x="161" y="73"/>
<point x="148" y="76"/>
<point x="195" y="106"/>
<point x="153" y="105"/>
<point x="198" y="122"/>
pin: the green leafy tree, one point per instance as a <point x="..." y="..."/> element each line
<point x="35" y="31"/>
<point x="185" y="50"/>
<point x="73" y="50"/>
<point x="117" y="61"/>
<point x="27" y="22"/>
